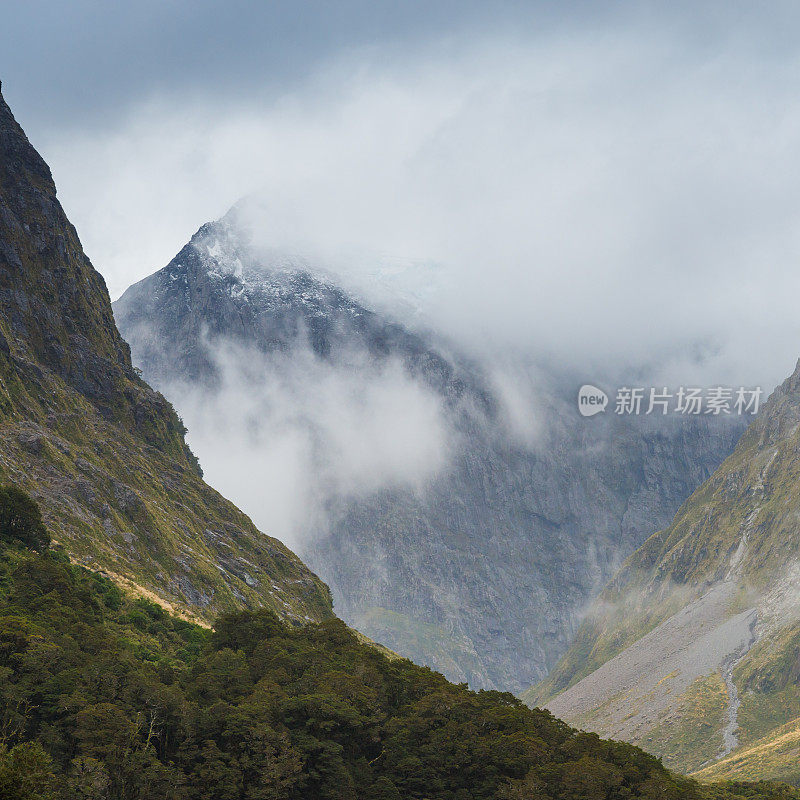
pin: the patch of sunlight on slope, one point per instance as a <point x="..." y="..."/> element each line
<point x="775" y="757"/>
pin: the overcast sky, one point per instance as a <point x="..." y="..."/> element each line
<point x="595" y="178"/>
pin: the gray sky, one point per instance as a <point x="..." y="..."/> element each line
<point x="610" y="181"/>
<point x="81" y="62"/>
<point x="77" y="63"/>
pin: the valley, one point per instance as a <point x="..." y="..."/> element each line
<point x="475" y="555"/>
<point x="107" y="693"/>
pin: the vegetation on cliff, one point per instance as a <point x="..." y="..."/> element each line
<point x="102" y="453"/>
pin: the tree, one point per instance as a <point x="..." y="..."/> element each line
<point x="21" y="519"/>
<point x="25" y="773"/>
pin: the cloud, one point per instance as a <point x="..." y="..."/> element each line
<point x="289" y="433"/>
<point x="599" y="195"/>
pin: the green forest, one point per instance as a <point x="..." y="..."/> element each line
<point x="107" y="696"/>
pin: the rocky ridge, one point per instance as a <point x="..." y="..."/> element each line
<point x="102" y="452"/>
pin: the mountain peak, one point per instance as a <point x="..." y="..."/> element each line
<point x="15" y="147"/>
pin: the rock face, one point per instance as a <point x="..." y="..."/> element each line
<point x="483" y="572"/>
<point x="101" y="451"/>
<point x="722" y="582"/>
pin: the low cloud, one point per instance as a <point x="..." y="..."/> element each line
<point x="287" y="434"/>
<point x="610" y="196"/>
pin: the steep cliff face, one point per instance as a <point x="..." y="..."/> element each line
<point x="101" y="451"/>
<point x="705" y="615"/>
<point x="484" y="570"/>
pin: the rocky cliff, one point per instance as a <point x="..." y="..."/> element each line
<point x="101" y="451"/>
<point x="483" y="571"/>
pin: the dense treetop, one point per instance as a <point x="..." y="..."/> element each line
<point x="103" y="696"/>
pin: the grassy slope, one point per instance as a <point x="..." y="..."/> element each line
<point x="776" y="756"/>
<point x="688" y="737"/>
<point x="132" y="510"/>
<point x="755" y="496"/>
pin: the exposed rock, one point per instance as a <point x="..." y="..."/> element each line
<point x="484" y="574"/>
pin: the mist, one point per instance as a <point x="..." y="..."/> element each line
<point x="611" y="196"/>
<point x="289" y="435"/>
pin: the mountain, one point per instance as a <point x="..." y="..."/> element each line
<point x="482" y="567"/>
<point x="106" y="695"/>
<point x="693" y="648"/>
<point x="102" y="453"/>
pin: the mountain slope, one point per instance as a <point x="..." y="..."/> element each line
<point x="107" y="697"/>
<point x="774" y="756"/>
<point x="729" y="564"/>
<point x="100" y="450"/>
<point x="481" y="568"/>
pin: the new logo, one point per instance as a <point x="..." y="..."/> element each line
<point x="591" y="400"/>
